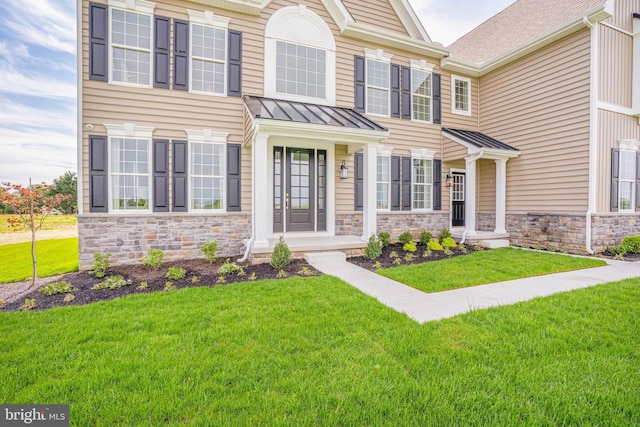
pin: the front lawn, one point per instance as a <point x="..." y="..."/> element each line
<point x="57" y="256"/>
<point x="315" y="351"/>
<point x="483" y="267"/>
<point x="51" y="222"/>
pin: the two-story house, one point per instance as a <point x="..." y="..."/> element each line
<point x="327" y="121"/>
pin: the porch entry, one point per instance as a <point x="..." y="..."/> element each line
<point x="299" y="189"/>
<point x="457" y="200"/>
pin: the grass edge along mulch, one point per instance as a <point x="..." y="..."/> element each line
<point x="55" y="256"/>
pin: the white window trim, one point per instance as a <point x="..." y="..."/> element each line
<point x="628" y="145"/>
<point x="454" y="110"/>
<point x="208" y="19"/>
<point x="207" y="136"/>
<point x="421" y="154"/>
<point x="142" y="7"/>
<point x="131" y="131"/>
<point x="292" y="24"/>
<point x="380" y="56"/>
<point x="424" y="66"/>
<point x="384" y="151"/>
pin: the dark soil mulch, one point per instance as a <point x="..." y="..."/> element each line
<point x="205" y="272"/>
<point x="392" y="252"/>
<point x="627" y="257"/>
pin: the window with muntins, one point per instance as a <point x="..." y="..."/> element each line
<point x="422" y="181"/>
<point x="378" y="74"/>
<point x="208" y="59"/>
<point x="301" y="70"/>
<point x="627" y="191"/>
<point x="130" y="174"/>
<point x="130" y="47"/>
<point x="383" y="179"/>
<point x="421" y="95"/>
<point x="207" y="176"/>
<point x="461" y="95"/>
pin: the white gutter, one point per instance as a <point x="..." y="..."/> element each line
<point x="80" y="201"/>
<point x="593" y="129"/>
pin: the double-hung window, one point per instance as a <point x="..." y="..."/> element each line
<point x="378" y="74"/>
<point x="130" y="174"/>
<point x="301" y="70"/>
<point x="422" y="183"/>
<point x="461" y="95"/>
<point x="421" y="95"/>
<point x="207" y="170"/>
<point x="131" y="47"/>
<point x="627" y="183"/>
<point x="383" y="182"/>
<point x="208" y="52"/>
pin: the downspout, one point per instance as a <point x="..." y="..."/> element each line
<point x="249" y="243"/>
<point x="593" y="130"/>
<point x="474" y="157"/>
<point x="80" y="200"/>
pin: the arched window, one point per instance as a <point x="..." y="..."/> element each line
<point x="300" y="57"/>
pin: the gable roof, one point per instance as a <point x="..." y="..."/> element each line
<point x="518" y="25"/>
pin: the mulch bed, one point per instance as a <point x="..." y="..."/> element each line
<point x="156" y="279"/>
<point x="392" y="252"/>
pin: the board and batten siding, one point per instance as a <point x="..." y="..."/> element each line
<point x="540" y="105"/>
<point x="615" y="67"/>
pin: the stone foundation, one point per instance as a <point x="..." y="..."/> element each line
<point x="129" y="237"/>
<point x="610" y="229"/>
<point x="396" y="223"/>
<point x="556" y="232"/>
<point x="348" y="224"/>
<point x="485" y="221"/>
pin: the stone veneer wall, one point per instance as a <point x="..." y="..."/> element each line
<point x="557" y="231"/>
<point x="180" y="236"/>
<point x="396" y="223"/>
<point x="349" y="224"/>
<point x="486" y="221"/>
<point x="609" y="229"/>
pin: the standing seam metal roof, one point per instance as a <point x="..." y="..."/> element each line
<point x="477" y="139"/>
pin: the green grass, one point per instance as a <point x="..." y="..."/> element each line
<point x="303" y="352"/>
<point x="478" y="268"/>
<point x="57" y="256"/>
<point x="52" y="222"/>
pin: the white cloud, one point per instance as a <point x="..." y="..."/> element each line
<point x="22" y="82"/>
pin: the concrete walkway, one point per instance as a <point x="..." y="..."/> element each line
<point x="424" y="307"/>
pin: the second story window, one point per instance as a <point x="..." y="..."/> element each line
<point x="301" y="70"/>
<point x="131" y="47"/>
<point x="378" y="74"/>
<point x="421" y="95"/>
<point x="208" y="52"/>
<point x="461" y="95"/>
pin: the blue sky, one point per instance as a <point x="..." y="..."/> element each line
<point x="38" y="77"/>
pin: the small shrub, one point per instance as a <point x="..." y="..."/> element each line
<point x="448" y="251"/>
<point x="462" y="248"/>
<point x="176" y="273"/>
<point x="154" y="258"/>
<point x="112" y="282"/>
<point x="425" y="236"/>
<point x="142" y="286"/>
<point x="434" y="245"/>
<point x="622" y="250"/>
<point x="62" y="287"/>
<point x="194" y="279"/>
<point x="397" y="261"/>
<point x="377" y="265"/>
<point x="29" y="304"/>
<point x="281" y="255"/>
<point x="393" y="254"/>
<point x="427" y="253"/>
<point x="610" y="251"/>
<point x="619" y="257"/>
<point x="168" y="286"/>
<point x="633" y="243"/>
<point x="210" y="250"/>
<point x="410" y="247"/>
<point x="252" y="277"/>
<point x="2" y="302"/>
<point x="444" y="234"/>
<point x="448" y="242"/>
<point x="405" y="237"/>
<point x="69" y="297"/>
<point x="305" y="271"/>
<point x="373" y="249"/>
<point x="409" y="257"/>
<point x="385" y="238"/>
<point x="282" y="274"/>
<point x="100" y="264"/>
<point x="478" y="248"/>
<point x="230" y="268"/>
<point x="221" y="279"/>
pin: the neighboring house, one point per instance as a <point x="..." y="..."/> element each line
<point x="331" y="120"/>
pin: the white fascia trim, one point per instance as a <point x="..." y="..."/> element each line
<point x="614" y="108"/>
<point x="484" y="153"/>
<point x="207" y="135"/>
<point x="129" y="130"/>
<point x="410" y="20"/>
<point x="208" y="18"/>
<point x="250" y="7"/>
<point x="376" y="35"/>
<point x="629" y="144"/>
<point x="422" y="153"/>
<point x="421" y="65"/>
<point x="334" y="134"/>
<point x="338" y="12"/>
<point x="384" y="150"/>
<point x="596" y="15"/>
<point x="378" y="55"/>
<point x="453" y="95"/>
<point x="139" y="6"/>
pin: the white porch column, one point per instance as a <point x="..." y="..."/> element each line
<point x="262" y="228"/>
<point x="369" y="217"/>
<point x="501" y="195"/>
<point x="470" y="196"/>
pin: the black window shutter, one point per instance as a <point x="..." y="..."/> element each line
<point x="437" y="185"/>
<point x="180" y="55"/>
<point x="98" y="40"/>
<point x="360" y="84"/>
<point x="637" y="182"/>
<point x="161" y="175"/>
<point x="233" y="177"/>
<point x="406" y="93"/>
<point x="161" y="52"/>
<point x="98" y="174"/>
<point x="234" y="84"/>
<point x="359" y="179"/>
<point x="437" y="98"/>
<point x="395" y="183"/>
<point x="395" y="90"/>
<point x="180" y="176"/>
<point x="615" y="177"/>
<point x="406" y="183"/>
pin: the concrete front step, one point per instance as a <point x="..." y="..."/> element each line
<point x="325" y="257"/>
<point x="494" y="244"/>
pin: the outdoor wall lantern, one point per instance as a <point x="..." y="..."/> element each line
<point x="448" y="180"/>
<point x="344" y="171"/>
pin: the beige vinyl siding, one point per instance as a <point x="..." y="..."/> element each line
<point x="540" y="105"/>
<point x="486" y="195"/>
<point x="454" y="151"/>
<point x="377" y="13"/>
<point x="345" y="188"/>
<point x="451" y="119"/>
<point x="623" y="14"/>
<point x="613" y="127"/>
<point x="615" y="67"/>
